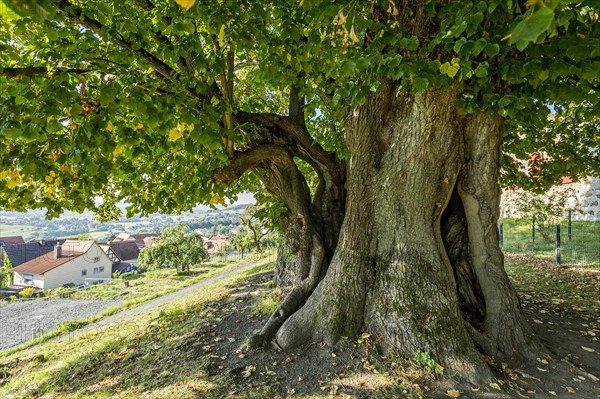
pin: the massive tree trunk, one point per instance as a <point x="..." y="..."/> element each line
<point x="402" y="241"/>
<point x="417" y="261"/>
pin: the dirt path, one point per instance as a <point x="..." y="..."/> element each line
<point x="131" y="313"/>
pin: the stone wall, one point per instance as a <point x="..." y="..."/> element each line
<point x="587" y="192"/>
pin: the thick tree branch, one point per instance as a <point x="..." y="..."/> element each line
<point x="185" y="64"/>
<point x="287" y="131"/>
<point x="296" y="106"/>
<point x="250" y="159"/>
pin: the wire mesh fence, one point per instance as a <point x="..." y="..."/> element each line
<point x="575" y="243"/>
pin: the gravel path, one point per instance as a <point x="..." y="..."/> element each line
<point x="17" y="319"/>
<point x="131" y="313"/>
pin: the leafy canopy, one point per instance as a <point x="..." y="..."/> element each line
<point x="141" y="100"/>
<point x="177" y="247"/>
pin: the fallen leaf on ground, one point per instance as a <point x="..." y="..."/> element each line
<point x="585" y="348"/>
<point x="248" y="371"/>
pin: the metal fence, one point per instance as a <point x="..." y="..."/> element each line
<point x="235" y="255"/>
<point x="575" y="243"/>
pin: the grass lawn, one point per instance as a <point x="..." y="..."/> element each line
<point x="147" y="357"/>
<point x="542" y="282"/>
<point x="583" y="249"/>
<point x="144" y="286"/>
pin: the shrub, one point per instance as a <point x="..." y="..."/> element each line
<point x="27" y="292"/>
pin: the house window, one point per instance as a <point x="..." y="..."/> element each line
<point x="98" y="269"/>
<point x="96" y="259"/>
<point x="84" y="272"/>
<point x="28" y="279"/>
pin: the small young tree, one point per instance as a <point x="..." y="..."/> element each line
<point x="251" y="218"/>
<point x="177" y="247"/>
<point x="545" y="210"/>
<point x="242" y="241"/>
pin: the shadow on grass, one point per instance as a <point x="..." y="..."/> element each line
<point x="155" y="357"/>
<point x="193" y="352"/>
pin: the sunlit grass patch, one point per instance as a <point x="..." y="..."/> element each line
<point x="268" y="302"/>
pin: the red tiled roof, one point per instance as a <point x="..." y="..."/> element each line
<point x="12" y="240"/>
<point x="46" y="263"/>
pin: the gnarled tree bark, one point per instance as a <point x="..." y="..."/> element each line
<point x="417" y="260"/>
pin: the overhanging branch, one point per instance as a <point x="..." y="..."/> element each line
<point x="247" y="160"/>
<point x="76" y="15"/>
<point x="293" y="134"/>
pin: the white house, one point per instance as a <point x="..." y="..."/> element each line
<point x="76" y="262"/>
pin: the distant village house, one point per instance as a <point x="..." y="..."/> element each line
<point x="142" y="240"/>
<point x="4" y="241"/>
<point x="123" y="254"/>
<point x="216" y="244"/>
<point x="76" y="262"/>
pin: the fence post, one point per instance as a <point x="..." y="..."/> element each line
<point x="533" y="229"/>
<point x="569" y="226"/>
<point x="558" y="243"/>
<point x="501" y="234"/>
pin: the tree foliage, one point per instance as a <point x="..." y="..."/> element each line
<point x="177" y="247"/>
<point x="142" y="100"/>
<point x="6" y="273"/>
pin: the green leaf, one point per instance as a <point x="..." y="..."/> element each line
<point x="363" y="63"/>
<point x="52" y="35"/>
<point x="348" y="67"/>
<point x="458" y="45"/>
<point x="409" y="43"/>
<point x="420" y="84"/>
<point x="481" y="71"/>
<point x="449" y="69"/>
<point x="532" y="26"/>
<point x="492" y="49"/>
<point x="20" y="100"/>
<point x="36" y="9"/>
<point x="479" y="46"/>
